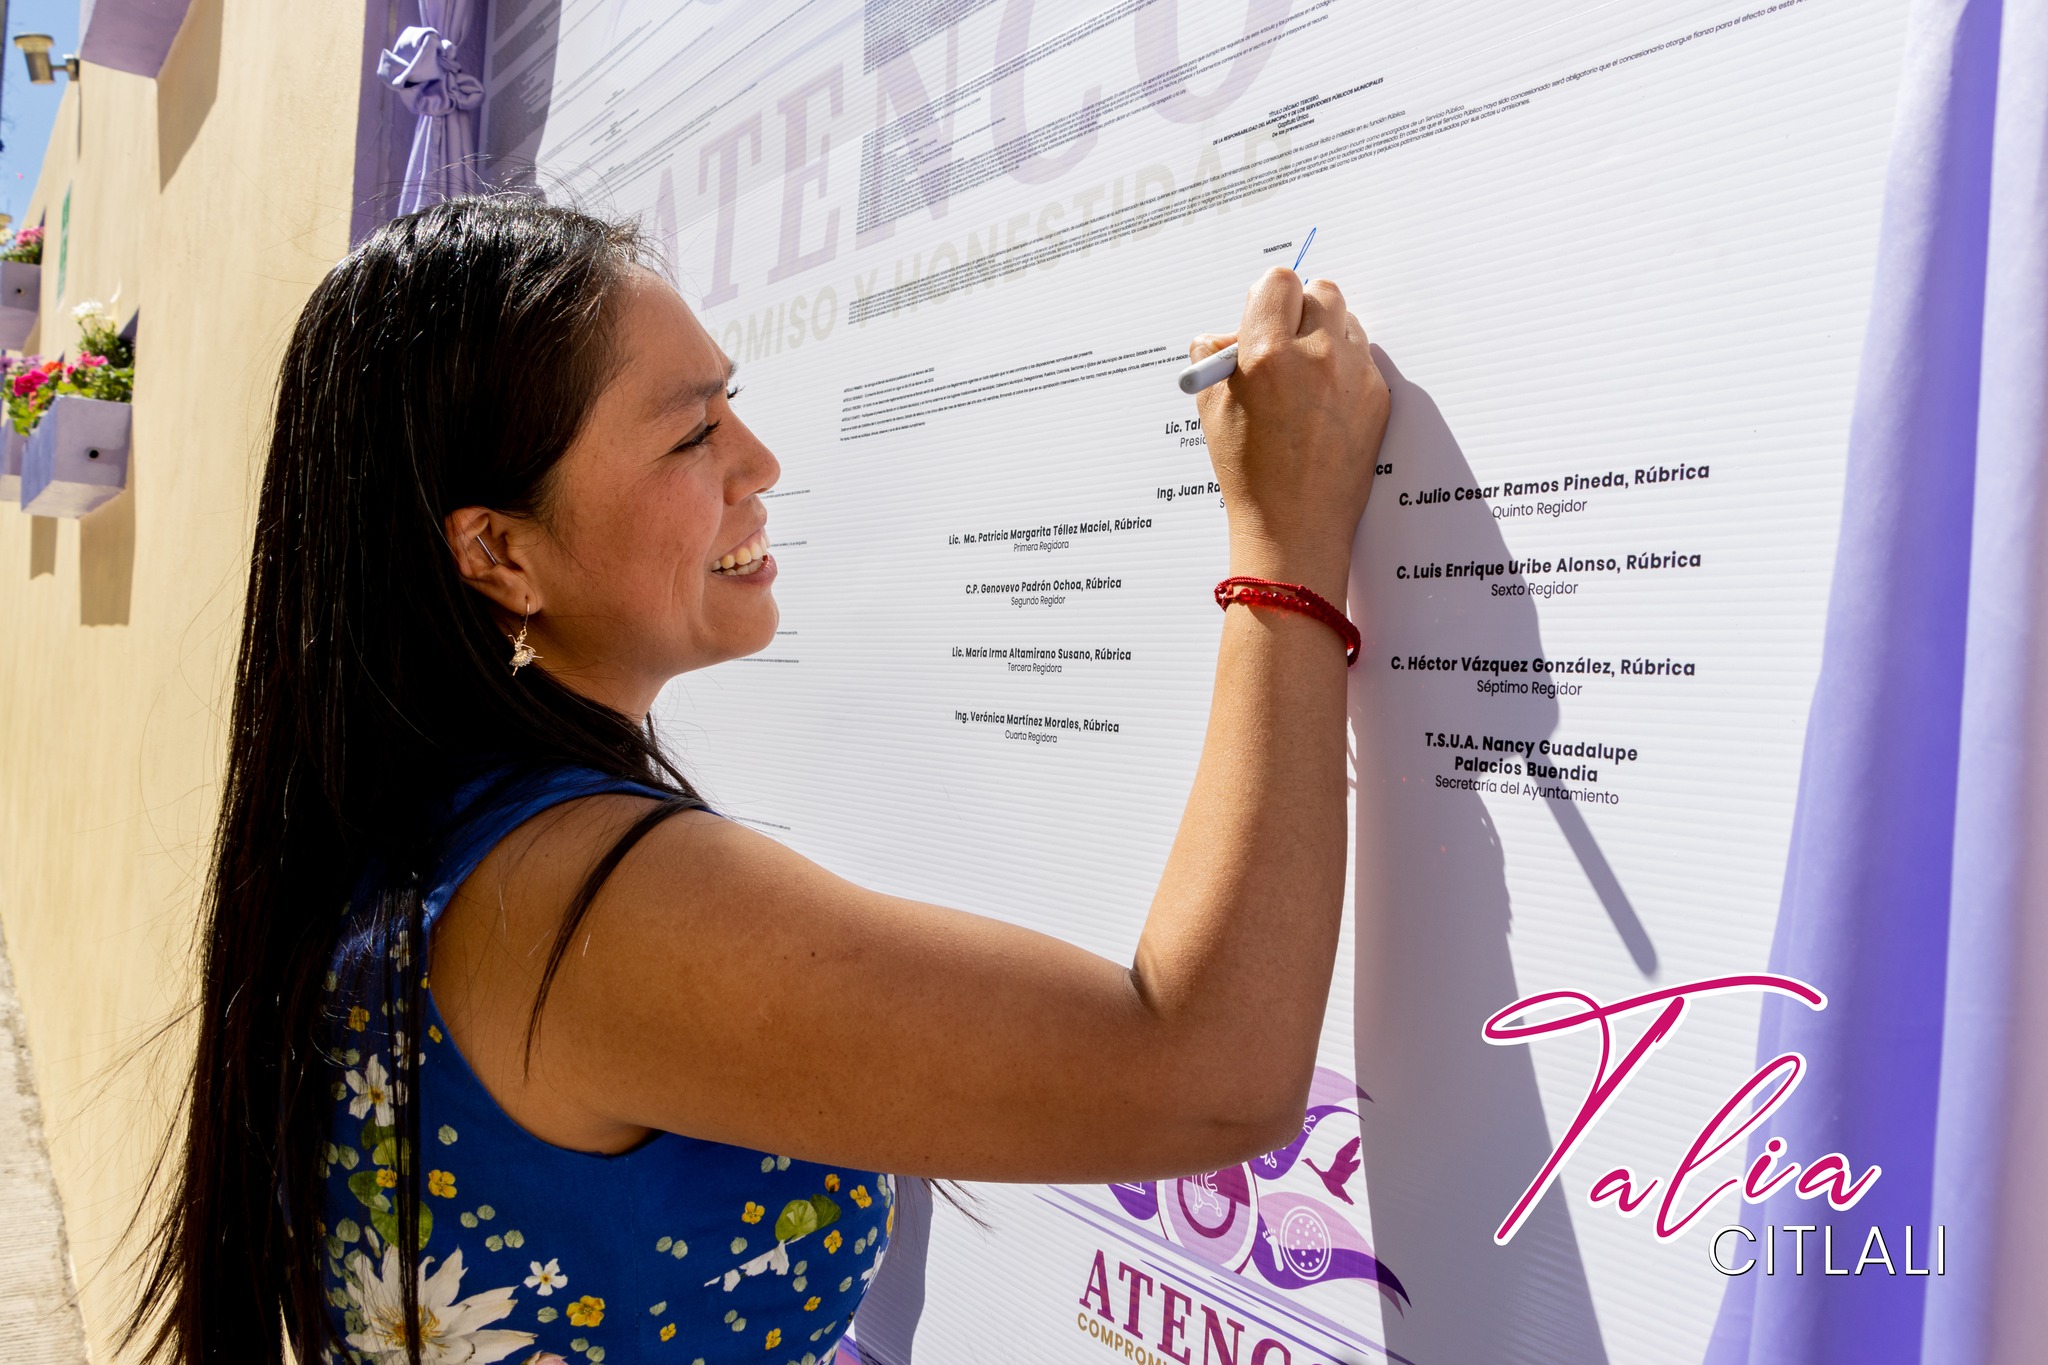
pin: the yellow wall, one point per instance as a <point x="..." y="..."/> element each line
<point x="214" y="198"/>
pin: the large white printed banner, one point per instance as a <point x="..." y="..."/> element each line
<point x="1617" y="256"/>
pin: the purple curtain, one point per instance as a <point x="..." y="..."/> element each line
<point x="427" y="74"/>
<point x="1916" y="893"/>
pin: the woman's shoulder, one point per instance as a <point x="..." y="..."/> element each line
<point x="402" y="891"/>
<point x="490" y="799"/>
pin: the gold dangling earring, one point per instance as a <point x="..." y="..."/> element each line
<point x="522" y="652"/>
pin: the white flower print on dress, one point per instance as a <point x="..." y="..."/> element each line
<point x="546" y="1279"/>
<point x="775" y="1258"/>
<point x="375" y="1090"/>
<point x="451" y="1333"/>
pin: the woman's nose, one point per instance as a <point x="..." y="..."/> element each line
<point x="754" y="467"/>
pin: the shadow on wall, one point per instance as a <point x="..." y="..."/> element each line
<point x="186" y="87"/>
<point x="1456" y="1126"/>
<point x="106" y="559"/>
<point x="42" y="546"/>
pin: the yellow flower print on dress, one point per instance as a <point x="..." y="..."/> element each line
<point x="861" y="1196"/>
<point x="587" y="1311"/>
<point x="752" y="1212"/>
<point x="832" y="1181"/>
<point x="387" y="1179"/>
<point x="441" y="1184"/>
<point x="668" y="1332"/>
<point x="774" y="1338"/>
<point x="358" y="1018"/>
<point x="811" y="1304"/>
<point x="832" y="1240"/>
<point x="434" y="1032"/>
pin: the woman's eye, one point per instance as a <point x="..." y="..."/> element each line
<point x="700" y="438"/>
<point x="732" y="391"/>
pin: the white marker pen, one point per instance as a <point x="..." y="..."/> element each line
<point x="1214" y="369"/>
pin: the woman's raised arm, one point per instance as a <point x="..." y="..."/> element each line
<point x="725" y="987"/>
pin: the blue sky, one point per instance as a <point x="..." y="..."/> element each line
<point x="26" y="111"/>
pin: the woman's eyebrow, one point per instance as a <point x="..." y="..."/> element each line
<point x="694" y="392"/>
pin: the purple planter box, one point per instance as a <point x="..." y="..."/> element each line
<point x="129" y="35"/>
<point x="21" y="298"/>
<point x="77" y="457"/>
<point x="12" y="444"/>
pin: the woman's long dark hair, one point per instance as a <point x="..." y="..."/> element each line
<point x="447" y="362"/>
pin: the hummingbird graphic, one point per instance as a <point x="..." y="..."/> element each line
<point x="1342" y="1167"/>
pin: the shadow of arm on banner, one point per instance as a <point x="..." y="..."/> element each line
<point x="1606" y="885"/>
<point x="1456" y="1126"/>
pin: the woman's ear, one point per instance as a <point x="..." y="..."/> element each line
<point x="479" y="540"/>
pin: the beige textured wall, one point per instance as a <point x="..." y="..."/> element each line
<point x="213" y="198"/>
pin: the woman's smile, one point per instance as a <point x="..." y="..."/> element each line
<point x="745" y="559"/>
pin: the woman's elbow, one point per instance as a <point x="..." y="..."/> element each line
<point x="1251" y="1126"/>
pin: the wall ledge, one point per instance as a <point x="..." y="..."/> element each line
<point x="129" y="35"/>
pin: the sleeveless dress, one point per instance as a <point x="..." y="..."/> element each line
<point x="680" y="1250"/>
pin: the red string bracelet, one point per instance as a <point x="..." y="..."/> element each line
<point x="1266" y="592"/>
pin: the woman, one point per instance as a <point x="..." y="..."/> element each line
<point x="510" y="1048"/>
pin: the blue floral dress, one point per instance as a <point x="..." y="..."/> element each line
<point x="681" y="1250"/>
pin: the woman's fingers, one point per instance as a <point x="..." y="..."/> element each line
<point x="1322" y="309"/>
<point x="1272" y="311"/>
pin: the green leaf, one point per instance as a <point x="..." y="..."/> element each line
<point x="375" y="1134"/>
<point x="799" y="1218"/>
<point x="363" y="1185"/>
<point x="385" y="1221"/>
<point x="385" y="1153"/>
<point x="828" y="1212"/>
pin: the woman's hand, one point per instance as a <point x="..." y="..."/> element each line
<point x="1294" y="433"/>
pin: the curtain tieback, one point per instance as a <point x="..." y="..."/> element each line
<point x="423" y="68"/>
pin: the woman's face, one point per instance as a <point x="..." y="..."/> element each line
<point x="652" y="558"/>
